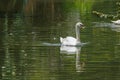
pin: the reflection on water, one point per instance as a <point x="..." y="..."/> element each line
<point x="30" y="29"/>
<point x="69" y="50"/>
<point x="112" y="26"/>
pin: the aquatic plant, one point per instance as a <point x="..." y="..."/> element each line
<point x="111" y="16"/>
<point x="84" y="6"/>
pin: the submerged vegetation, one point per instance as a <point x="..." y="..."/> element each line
<point x="111" y="16"/>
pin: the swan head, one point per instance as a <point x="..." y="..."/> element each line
<point x="79" y="24"/>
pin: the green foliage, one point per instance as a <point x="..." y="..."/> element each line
<point x="111" y="16"/>
<point x="84" y="5"/>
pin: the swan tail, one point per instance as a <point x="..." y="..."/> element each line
<point x="113" y="21"/>
<point x="116" y="22"/>
<point x="61" y="39"/>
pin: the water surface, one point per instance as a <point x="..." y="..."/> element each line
<point x="26" y="24"/>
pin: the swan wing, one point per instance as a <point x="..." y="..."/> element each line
<point x="71" y="39"/>
<point x="68" y="41"/>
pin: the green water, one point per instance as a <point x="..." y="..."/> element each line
<point x="26" y="25"/>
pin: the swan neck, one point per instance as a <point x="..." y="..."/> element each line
<point x="77" y="29"/>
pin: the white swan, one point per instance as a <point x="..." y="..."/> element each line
<point x="116" y="22"/>
<point x="71" y="41"/>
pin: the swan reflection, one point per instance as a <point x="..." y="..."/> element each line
<point x="69" y="50"/>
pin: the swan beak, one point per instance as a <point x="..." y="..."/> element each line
<point x="82" y="26"/>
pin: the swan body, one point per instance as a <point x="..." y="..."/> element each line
<point x="116" y="22"/>
<point x="71" y="41"/>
